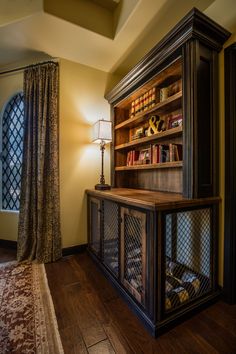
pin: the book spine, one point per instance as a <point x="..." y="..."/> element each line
<point x="154" y="154"/>
<point x="160" y="153"/>
<point x="171" y="152"/>
<point x="127" y="159"/>
<point x="157" y="153"/>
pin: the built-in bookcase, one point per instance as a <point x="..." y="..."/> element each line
<point x="159" y="249"/>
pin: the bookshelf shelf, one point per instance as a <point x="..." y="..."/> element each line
<point x="168" y="133"/>
<point x="174" y="164"/>
<point x="169" y="104"/>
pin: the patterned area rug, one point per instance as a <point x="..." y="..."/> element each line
<point x="27" y="318"/>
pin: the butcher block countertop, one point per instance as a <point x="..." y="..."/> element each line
<point x="150" y="199"/>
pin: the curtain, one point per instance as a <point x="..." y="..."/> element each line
<point x="39" y="235"/>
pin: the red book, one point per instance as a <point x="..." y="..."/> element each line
<point x="132" y="157"/>
<point x="155" y="153"/>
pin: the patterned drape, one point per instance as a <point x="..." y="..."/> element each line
<point x="39" y="236"/>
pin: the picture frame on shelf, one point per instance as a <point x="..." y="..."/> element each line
<point x="175" y="121"/>
<point x="145" y="156"/>
<point x="138" y="133"/>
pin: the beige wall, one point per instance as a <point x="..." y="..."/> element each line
<point x="9" y="85"/>
<point x="81" y="104"/>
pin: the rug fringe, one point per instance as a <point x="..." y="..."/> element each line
<point x="52" y="310"/>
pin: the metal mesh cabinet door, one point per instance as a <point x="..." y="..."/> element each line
<point x="111" y="236"/>
<point x="133" y="252"/>
<point x="94" y="225"/>
<point x="188" y="251"/>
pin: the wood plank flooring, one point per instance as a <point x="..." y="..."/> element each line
<point x="92" y="318"/>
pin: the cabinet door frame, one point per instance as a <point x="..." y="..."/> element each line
<point x="117" y="276"/>
<point x="143" y="216"/>
<point x="99" y="205"/>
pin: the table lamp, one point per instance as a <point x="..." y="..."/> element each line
<point x="102" y="134"/>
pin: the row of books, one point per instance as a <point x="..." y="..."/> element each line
<point x="144" y="102"/>
<point x="167" y="153"/>
<point x="157" y="153"/>
<point x="134" y="158"/>
<point x="153" y="96"/>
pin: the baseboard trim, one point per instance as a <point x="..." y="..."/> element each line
<point x="8" y="244"/>
<point x="68" y="251"/>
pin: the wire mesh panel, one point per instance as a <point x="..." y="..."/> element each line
<point x="188" y="256"/>
<point x="111" y="236"/>
<point x="12" y="149"/>
<point x="95" y="225"/>
<point x="133" y="250"/>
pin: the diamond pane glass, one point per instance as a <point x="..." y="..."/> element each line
<point x="12" y="149"/>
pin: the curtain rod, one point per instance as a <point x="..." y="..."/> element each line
<point x="28" y="66"/>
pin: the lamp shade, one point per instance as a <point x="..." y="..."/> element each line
<point x="102" y="131"/>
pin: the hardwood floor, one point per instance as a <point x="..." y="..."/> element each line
<point x="92" y="318"/>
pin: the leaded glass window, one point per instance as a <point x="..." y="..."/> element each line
<point x="12" y="148"/>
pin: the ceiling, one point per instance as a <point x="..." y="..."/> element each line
<point x="110" y="35"/>
<point x="108" y="4"/>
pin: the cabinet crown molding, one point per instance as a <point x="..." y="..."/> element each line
<point x="195" y="25"/>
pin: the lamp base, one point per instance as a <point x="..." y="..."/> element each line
<point x="102" y="187"/>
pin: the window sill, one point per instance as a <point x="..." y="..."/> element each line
<point x="2" y="211"/>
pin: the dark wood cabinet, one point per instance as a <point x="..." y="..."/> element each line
<point x="160" y="255"/>
<point x="158" y="226"/>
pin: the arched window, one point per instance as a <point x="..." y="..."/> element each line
<point x="11" y="155"/>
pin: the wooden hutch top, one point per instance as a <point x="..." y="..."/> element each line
<point x="186" y="55"/>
